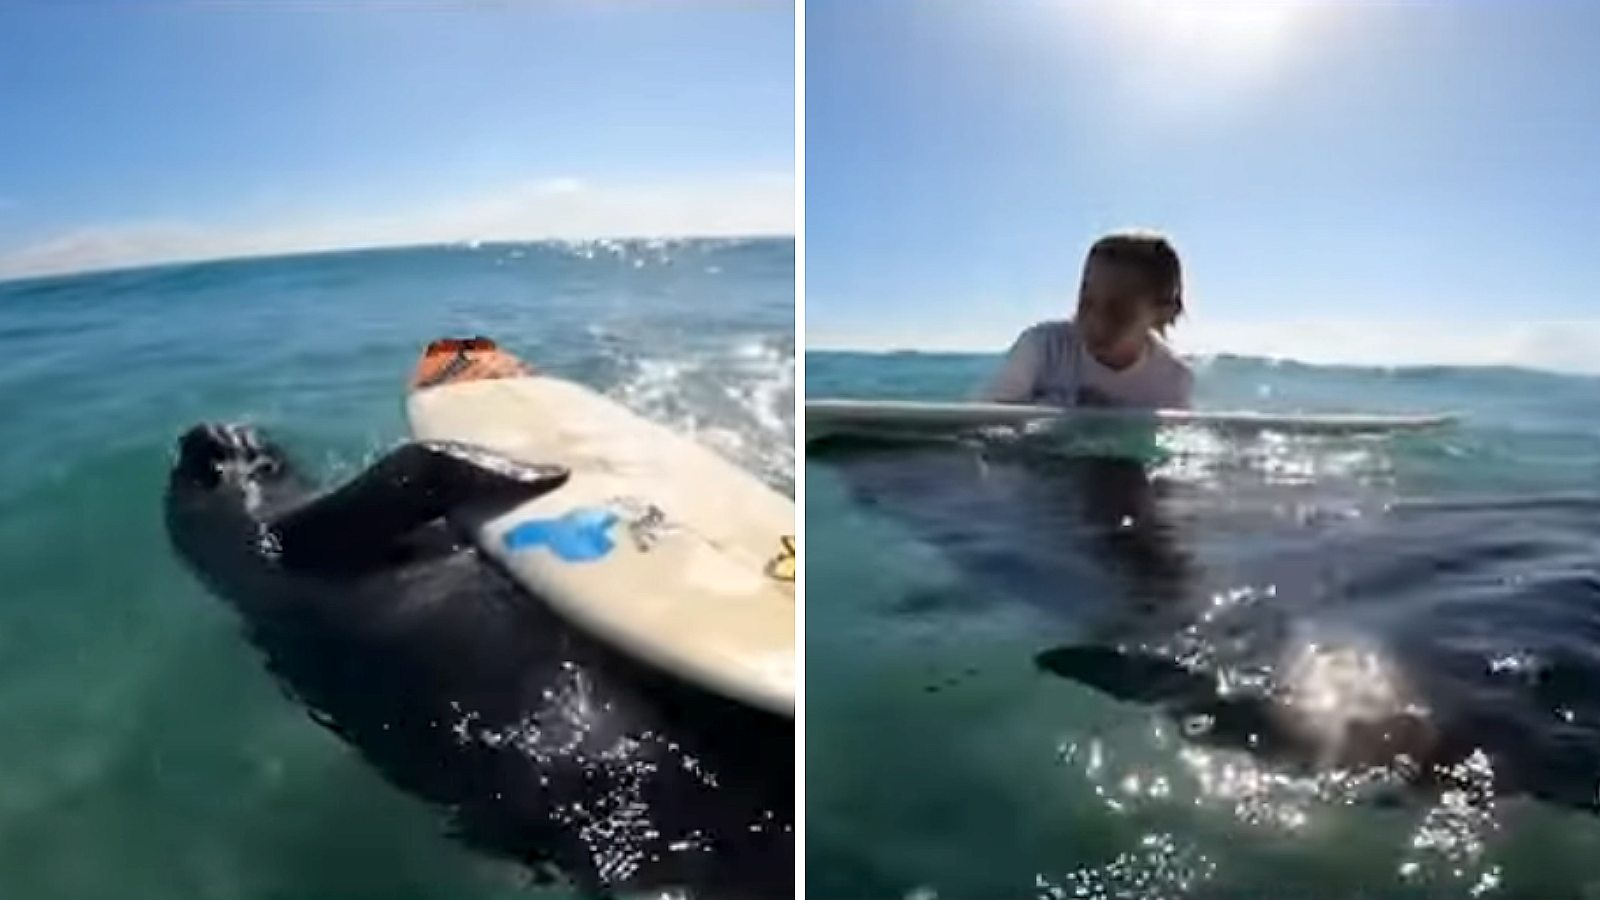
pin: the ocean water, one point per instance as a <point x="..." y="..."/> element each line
<point x="1364" y="577"/>
<point x="146" y="752"/>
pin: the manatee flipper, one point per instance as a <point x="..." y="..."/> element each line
<point x="1242" y="718"/>
<point x="375" y="518"/>
<point x="1132" y="677"/>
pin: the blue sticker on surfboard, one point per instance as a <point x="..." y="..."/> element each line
<point x="583" y="535"/>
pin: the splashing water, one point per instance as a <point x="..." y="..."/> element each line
<point x="738" y="398"/>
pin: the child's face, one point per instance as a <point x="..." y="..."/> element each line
<point x="1116" y="305"/>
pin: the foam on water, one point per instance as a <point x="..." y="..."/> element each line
<point x="738" y="398"/>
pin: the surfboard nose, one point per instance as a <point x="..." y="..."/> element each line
<point x="458" y="360"/>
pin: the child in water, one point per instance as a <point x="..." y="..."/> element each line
<point x="1111" y="353"/>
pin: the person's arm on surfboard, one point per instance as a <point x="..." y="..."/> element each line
<point x="1018" y="374"/>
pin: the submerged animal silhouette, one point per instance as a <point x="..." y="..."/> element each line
<point x="1427" y="747"/>
<point x="538" y="744"/>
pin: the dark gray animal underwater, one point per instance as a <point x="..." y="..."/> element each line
<point x="536" y="744"/>
<point x="1433" y="646"/>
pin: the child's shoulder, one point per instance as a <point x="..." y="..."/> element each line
<point x="1169" y="357"/>
<point x="1050" y="330"/>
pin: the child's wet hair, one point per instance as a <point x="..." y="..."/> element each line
<point x="1151" y="255"/>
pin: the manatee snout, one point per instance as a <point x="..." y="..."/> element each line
<point x="211" y="452"/>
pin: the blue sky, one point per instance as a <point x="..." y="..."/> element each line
<point x="132" y="130"/>
<point x="1365" y="181"/>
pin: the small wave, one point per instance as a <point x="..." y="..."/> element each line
<point x="739" y="398"/>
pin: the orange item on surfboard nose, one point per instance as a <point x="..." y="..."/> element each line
<point x="455" y="360"/>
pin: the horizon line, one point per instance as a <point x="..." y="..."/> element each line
<point x="1205" y="358"/>
<point x="7" y="280"/>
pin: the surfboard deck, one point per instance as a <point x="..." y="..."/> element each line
<point x="656" y="544"/>
<point x="825" y="417"/>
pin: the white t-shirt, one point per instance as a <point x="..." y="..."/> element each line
<point x="1049" y="365"/>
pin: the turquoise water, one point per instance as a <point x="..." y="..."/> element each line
<point x="1462" y="567"/>
<point x="147" y="754"/>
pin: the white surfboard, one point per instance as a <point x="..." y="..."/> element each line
<point x="657" y="544"/>
<point x="826" y="417"/>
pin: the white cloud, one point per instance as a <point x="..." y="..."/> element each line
<point x="1567" y="346"/>
<point x="547" y="209"/>
<point x="559" y="185"/>
<point x="1552" y="345"/>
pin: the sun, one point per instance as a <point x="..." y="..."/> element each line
<point x="1189" y="46"/>
<point x="1217" y="27"/>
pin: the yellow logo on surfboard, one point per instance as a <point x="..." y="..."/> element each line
<point x="782" y="568"/>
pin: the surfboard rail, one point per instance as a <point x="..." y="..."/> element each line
<point x="832" y="416"/>
<point x="656" y="544"/>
